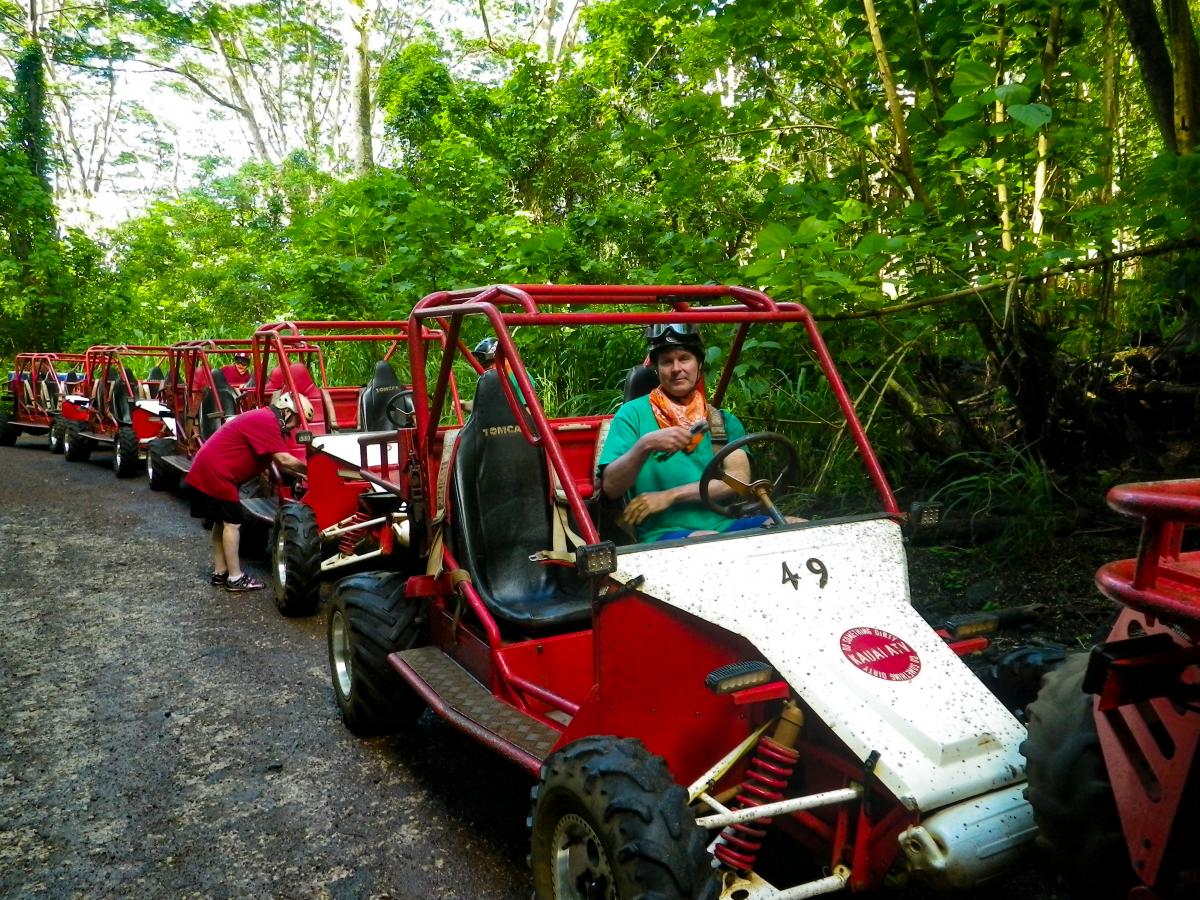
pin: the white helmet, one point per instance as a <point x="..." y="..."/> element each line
<point x="283" y="400"/>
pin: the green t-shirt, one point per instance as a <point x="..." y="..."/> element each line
<point x="635" y="419"/>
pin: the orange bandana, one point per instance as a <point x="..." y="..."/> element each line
<point x="668" y="413"/>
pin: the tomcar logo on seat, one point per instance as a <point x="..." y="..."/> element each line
<point x="497" y="430"/>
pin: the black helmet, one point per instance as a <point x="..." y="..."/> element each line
<point x="485" y="351"/>
<point x="675" y="335"/>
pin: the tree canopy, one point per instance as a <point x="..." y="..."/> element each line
<point x="992" y="205"/>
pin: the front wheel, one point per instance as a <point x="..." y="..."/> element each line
<point x="76" y="447"/>
<point x="125" y="453"/>
<point x="370" y="619"/>
<point x="8" y="431"/>
<point x="54" y="435"/>
<point x="1069" y="788"/>
<point x="161" y="475"/>
<point x="609" y="821"/>
<point x="296" y="560"/>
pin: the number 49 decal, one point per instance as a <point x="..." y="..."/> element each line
<point x="814" y="565"/>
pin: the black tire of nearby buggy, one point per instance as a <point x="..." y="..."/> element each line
<point x="1069" y="788"/>
<point x="613" y="793"/>
<point x="125" y="453"/>
<point x="8" y="431"/>
<point x="370" y="619"/>
<point x="54" y="434"/>
<point x="76" y="448"/>
<point x="161" y="476"/>
<point x="296" y="560"/>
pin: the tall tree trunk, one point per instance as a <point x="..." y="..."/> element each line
<point x="1041" y="177"/>
<point x="239" y="95"/>
<point x="357" y="33"/>
<point x="1150" y="49"/>
<point x="895" y="109"/>
<point x="1187" y="68"/>
<point x="1006" y="238"/>
<point x="1108" y="165"/>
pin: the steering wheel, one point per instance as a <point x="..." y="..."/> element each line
<point x="756" y="494"/>
<point x="401" y="409"/>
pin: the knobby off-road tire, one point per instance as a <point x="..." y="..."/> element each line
<point x="370" y="619"/>
<point x="160" y="475"/>
<point x="125" y="453"/>
<point x="54" y="434"/>
<point x="296" y="560"/>
<point x="608" y="820"/>
<point x="1069" y="788"/>
<point x="8" y="431"/>
<point x="76" y="447"/>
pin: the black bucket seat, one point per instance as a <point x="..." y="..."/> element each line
<point x="501" y="512"/>
<point x="374" y="399"/>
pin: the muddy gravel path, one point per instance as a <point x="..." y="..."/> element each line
<point x="162" y="738"/>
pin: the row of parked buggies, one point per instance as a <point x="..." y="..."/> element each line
<point x="680" y="704"/>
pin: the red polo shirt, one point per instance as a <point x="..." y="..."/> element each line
<point x="238" y="451"/>
<point x="233" y="377"/>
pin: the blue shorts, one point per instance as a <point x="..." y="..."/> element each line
<point x="741" y="524"/>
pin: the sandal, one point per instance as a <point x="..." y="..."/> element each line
<point x="245" y="583"/>
<point x="218" y="579"/>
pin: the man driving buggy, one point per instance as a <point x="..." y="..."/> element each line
<point x="658" y="446"/>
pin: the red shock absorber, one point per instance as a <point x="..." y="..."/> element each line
<point x="767" y="776"/>
<point x="348" y="539"/>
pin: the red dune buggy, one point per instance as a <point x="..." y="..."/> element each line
<point x="679" y="703"/>
<point x="1114" y="772"/>
<point x="35" y="390"/>
<point x="199" y="398"/>
<point x="355" y="377"/>
<point x="113" y="408"/>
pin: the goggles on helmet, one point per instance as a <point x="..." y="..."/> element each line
<point x="672" y="333"/>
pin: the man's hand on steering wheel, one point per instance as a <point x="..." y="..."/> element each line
<point x="760" y="491"/>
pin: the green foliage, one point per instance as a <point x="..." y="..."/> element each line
<point x="738" y="142"/>
<point x="1016" y="488"/>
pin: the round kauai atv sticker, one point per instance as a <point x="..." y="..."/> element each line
<point x="881" y="654"/>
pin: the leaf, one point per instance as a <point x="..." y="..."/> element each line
<point x="963" y="109"/>
<point x="1012" y="93"/>
<point x="811" y="229"/>
<point x="838" y="278"/>
<point x="1032" y="115"/>
<point x="972" y="77"/>
<point x="964" y="136"/>
<point x="759" y="268"/>
<point x="871" y="244"/>
<point x="774" y="238"/>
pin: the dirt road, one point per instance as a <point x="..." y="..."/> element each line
<point x="162" y="738"/>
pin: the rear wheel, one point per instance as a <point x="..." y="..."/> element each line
<point x="296" y="560"/>
<point x="125" y="453"/>
<point x="371" y="618"/>
<point x="609" y="821"/>
<point x="1069" y="788"/>
<point x="76" y="447"/>
<point x="8" y="431"/>
<point x="54" y="435"/>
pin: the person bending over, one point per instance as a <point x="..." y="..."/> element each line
<point x="652" y="457"/>
<point x="240" y="450"/>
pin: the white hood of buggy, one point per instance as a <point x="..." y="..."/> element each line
<point x="855" y="651"/>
